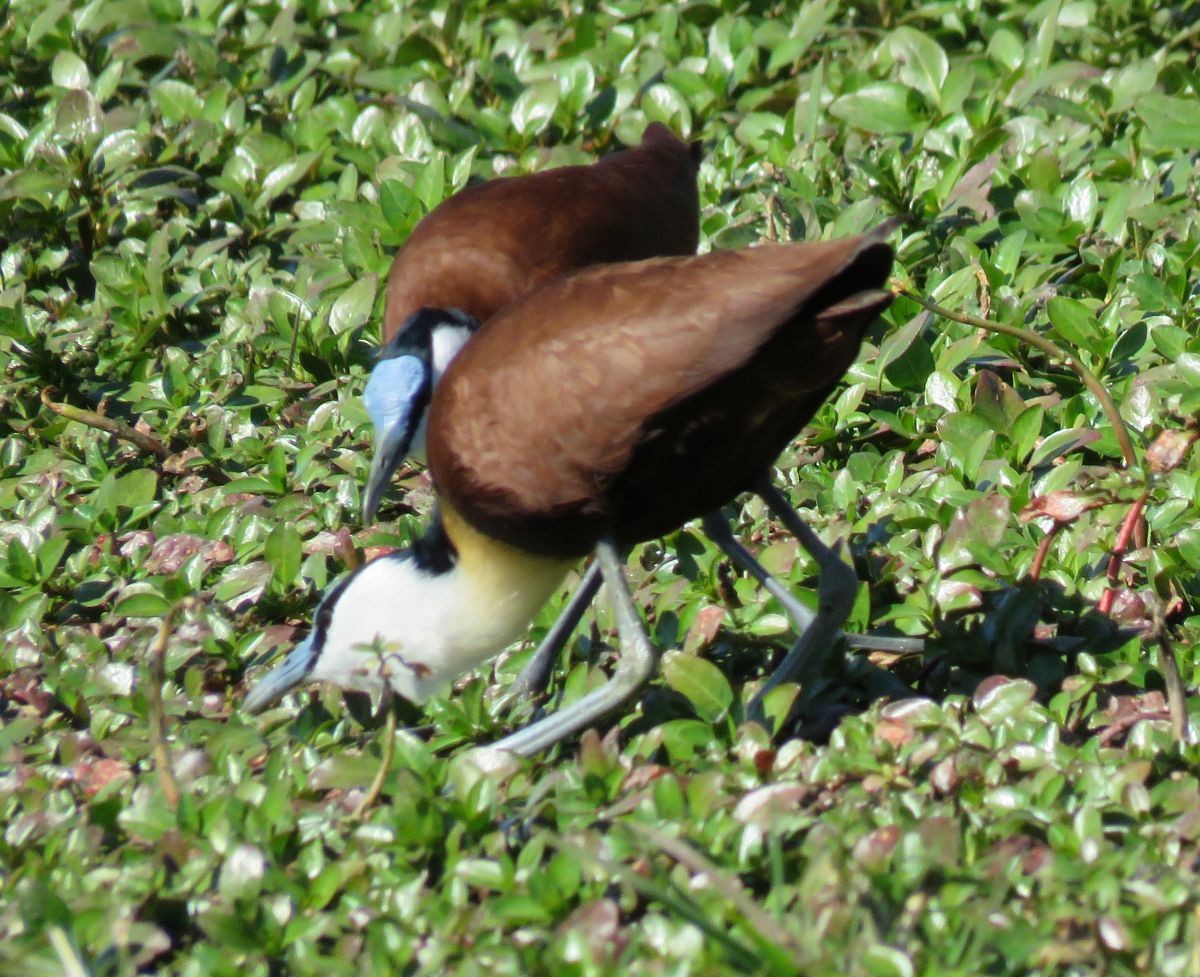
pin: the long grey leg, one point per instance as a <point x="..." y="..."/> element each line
<point x="835" y="597"/>
<point x="535" y="676"/>
<point x="634" y="669"/>
<point x="716" y="528"/>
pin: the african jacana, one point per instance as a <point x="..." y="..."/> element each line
<point x="606" y="408"/>
<point x="485" y="246"/>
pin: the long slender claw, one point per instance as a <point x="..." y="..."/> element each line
<point x="535" y="676"/>
<point x="634" y="669"/>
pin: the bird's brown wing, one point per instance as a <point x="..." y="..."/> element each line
<point x="491" y="242"/>
<point x="628" y="398"/>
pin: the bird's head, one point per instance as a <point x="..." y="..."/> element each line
<point x="399" y="389"/>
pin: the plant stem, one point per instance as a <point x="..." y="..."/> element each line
<point x="1049" y="347"/>
<point x="388" y="753"/>
<point x="154" y="697"/>
<point x="118" y="429"/>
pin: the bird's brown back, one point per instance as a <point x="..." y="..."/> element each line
<point x="491" y="242"/>
<point x="626" y="399"/>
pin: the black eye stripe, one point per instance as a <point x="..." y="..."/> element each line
<point x="415" y="337"/>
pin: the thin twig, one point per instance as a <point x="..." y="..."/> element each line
<point x="118" y="429"/>
<point x="291" y="357"/>
<point x="1128" y="526"/>
<point x="388" y="752"/>
<point x="1176" y="696"/>
<point x="1039" y="558"/>
<point x="1051" y="348"/>
<point x="158" y="717"/>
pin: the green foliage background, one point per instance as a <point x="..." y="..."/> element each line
<point x="199" y="201"/>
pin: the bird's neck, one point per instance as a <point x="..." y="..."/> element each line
<point x="487" y="599"/>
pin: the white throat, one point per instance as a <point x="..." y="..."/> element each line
<point x="445" y="344"/>
<point x="397" y="622"/>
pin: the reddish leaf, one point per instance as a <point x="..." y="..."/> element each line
<point x="705" y="627"/>
<point x="1169" y="450"/>
<point x="1061" y="506"/>
<point x="894" y="731"/>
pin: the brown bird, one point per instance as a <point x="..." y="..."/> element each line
<point x="606" y="408"/>
<point x="485" y="246"/>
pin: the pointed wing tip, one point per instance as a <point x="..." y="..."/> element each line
<point x="883" y="230"/>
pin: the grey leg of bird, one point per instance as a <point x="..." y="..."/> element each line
<point x="535" y="676"/>
<point x="717" y="528"/>
<point x="634" y="669"/>
<point x="835" y="601"/>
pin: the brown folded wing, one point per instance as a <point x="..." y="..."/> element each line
<point x="629" y="398"/>
<point x="489" y="243"/>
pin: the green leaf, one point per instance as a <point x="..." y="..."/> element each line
<point x="20" y="563"/>
<point x="534" y="108"/>
<point x="996" y="402"/>
<point x="399" y="205"/>
<point x="887" y="961"/>
<point x="283" y="552"/>
<point x="146" y="604"/>
<point x="1062" y="442"/>
<point x="1081" y="202"/>
<point x="79" y="117"/>
<point x="662" y="103"/>
<point x="104" y="499"/>
<point x="1074" y="323"/>
<point x="700" y="682"/>
<point x="137" y="488"/>
<point x="69" y="70"/>
<point x="50" y="554"/>
<point x="923" y="64"/>
<point x="1004" y="701"/>
<point x="430" y="186"/>
<point x="284" y="176"/>
<point x="883" y="108"/>
<point x="1025" y="431"/>
<point x="968" y="439"/>
<point x="177" y="101"/>
<point x="1171" y="122"/>
<point x="353" y="306"/>
<point x="905" y="357"/>
<point x="808" y="24"/>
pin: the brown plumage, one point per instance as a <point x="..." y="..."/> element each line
<point x="491" y="242"/>
<point x="626" y="399"/>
